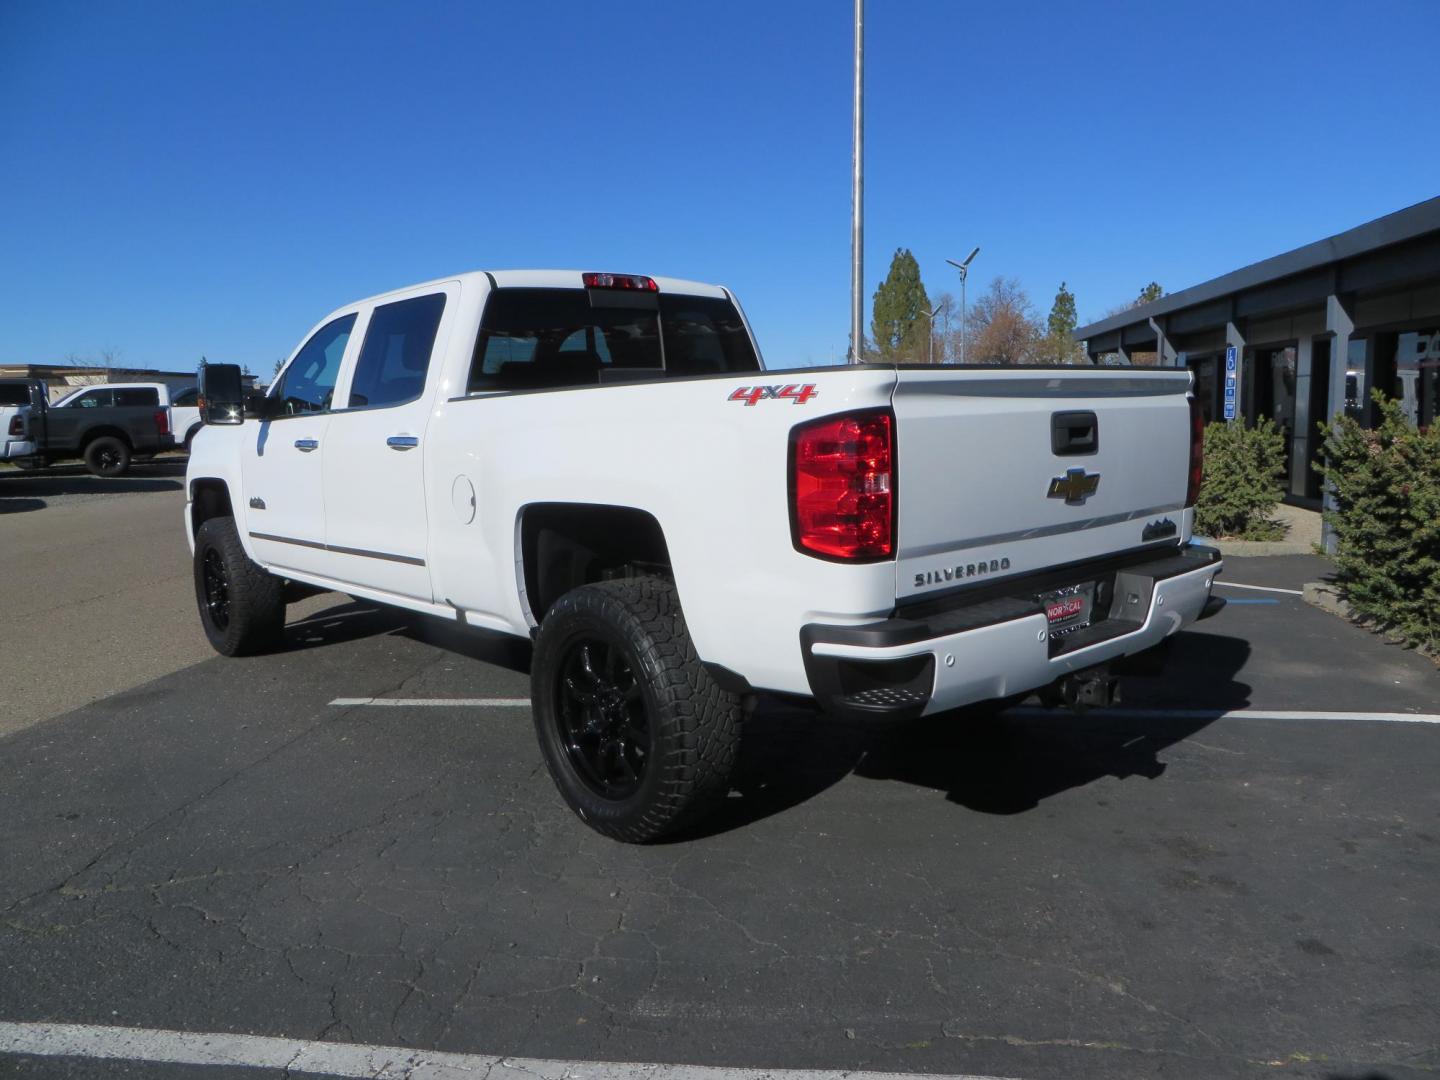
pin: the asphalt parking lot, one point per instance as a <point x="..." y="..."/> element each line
<point x="1177" y="889"/>
<point x="100" y="572"/>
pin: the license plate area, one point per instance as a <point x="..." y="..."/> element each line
<point x="1068" y="609"/>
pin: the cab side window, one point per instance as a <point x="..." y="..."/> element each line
<point x="138" y="395"/>
<point x="94" y="399"/>
<point x="308" y="384"/>
<point x="396" y="354"/>
<point x="186" y="399"/>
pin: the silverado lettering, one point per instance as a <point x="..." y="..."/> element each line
<point x="960" y="572"/>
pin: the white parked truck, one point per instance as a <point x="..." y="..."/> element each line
<point x="601" y="462"/>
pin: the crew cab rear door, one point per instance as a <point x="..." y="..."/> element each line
<point x="1008" y="471"/>
<point x="376" y="525"/>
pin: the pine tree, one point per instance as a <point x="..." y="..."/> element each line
<point x="1063" y="318"/>
<point x="1150" y="292"/>
<point x="898" y="323"/>
<point x="1059" y="346"/>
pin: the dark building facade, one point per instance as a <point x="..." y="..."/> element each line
<point x="1314" y="330"/>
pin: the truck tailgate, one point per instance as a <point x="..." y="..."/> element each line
<point x="998" y="475"/>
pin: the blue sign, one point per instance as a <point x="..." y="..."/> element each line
<point x="1232" y="377"/>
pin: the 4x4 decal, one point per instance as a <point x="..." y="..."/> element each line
<point x="797" y="394"/>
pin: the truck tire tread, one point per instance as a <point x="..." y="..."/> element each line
<point x="257" y="597"/>
<point x="699" y="722"/>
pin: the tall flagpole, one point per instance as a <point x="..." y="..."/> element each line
<point x="857" y="195"/>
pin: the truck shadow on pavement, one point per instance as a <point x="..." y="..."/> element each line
<point x="986" y="761"/>
<point x="16" y="484"/>
<point x="983" y="760"/>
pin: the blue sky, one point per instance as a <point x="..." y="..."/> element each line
<point x="188" y="178"/>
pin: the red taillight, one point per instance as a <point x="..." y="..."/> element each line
<point x="17" y="426"/>
<point x="1197" y="453"/>
<point x="162" y="422"/>
<point x="619" y="281"/>
<point x="842" y="486"/>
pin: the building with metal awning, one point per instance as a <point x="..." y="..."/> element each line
<point x="1306" y="334"/>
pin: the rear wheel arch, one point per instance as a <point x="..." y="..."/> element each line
<point x="104" y="431"/>
<point x="566" y="545"/>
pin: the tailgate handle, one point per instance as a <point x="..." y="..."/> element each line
<point x="1074" y="433"/>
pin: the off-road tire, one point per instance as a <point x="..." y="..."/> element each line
<point x="254" y="618"/>
<point x="107" y="456"/>
<point x="694" y="725"/>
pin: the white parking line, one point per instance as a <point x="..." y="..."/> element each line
<point x="1023" y="710"/>
<point x="462" y="702"/>
<point x="1238" y="714"/>
<point x="377" y="1062"/>
<point x="1259" y="588"/>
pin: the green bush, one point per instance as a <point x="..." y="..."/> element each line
<point x="1387" y="521"/>
<point x="1244" y="480"/>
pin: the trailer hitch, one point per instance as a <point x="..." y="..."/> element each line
<point x="1093" y="688"/>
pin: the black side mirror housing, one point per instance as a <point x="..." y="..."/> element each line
<point x="222" y="394"/>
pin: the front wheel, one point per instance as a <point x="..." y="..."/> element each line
<point x="242" y="607"/>
<point x="638" y="738"/>
<point x="107" y="456"/>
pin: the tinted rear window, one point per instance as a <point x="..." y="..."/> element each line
<point x="14" y="395"/>
<point x="91" y="399"/>
<point x="545" y="338"/>
<point x="137" y="395"/>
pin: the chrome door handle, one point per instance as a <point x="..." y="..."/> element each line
<point x="402" y="442"/>
<point x="306" y="445"/>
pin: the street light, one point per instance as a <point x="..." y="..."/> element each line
<point x="857" y="193"/>
<point x="964" y="269"/>
<point x="930" y="331"/>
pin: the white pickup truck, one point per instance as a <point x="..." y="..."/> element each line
<point x="602" y="463"/>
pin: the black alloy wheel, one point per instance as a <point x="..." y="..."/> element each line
<point x="602" y="718"/>
<point x="107" y="455"/>
<point x="217" y="589"/>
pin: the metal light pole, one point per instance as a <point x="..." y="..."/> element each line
<point x="857" y="194"/>
<point x="930" y="331"/>
<point x="964" y="269"/>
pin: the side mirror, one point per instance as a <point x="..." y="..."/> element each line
<point x="222" y="394"/>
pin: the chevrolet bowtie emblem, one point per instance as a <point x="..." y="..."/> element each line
<point x="1074" y="487"/>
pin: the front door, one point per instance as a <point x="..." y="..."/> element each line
<point x="284" y="455"/>
<point x="375" y="516"/>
